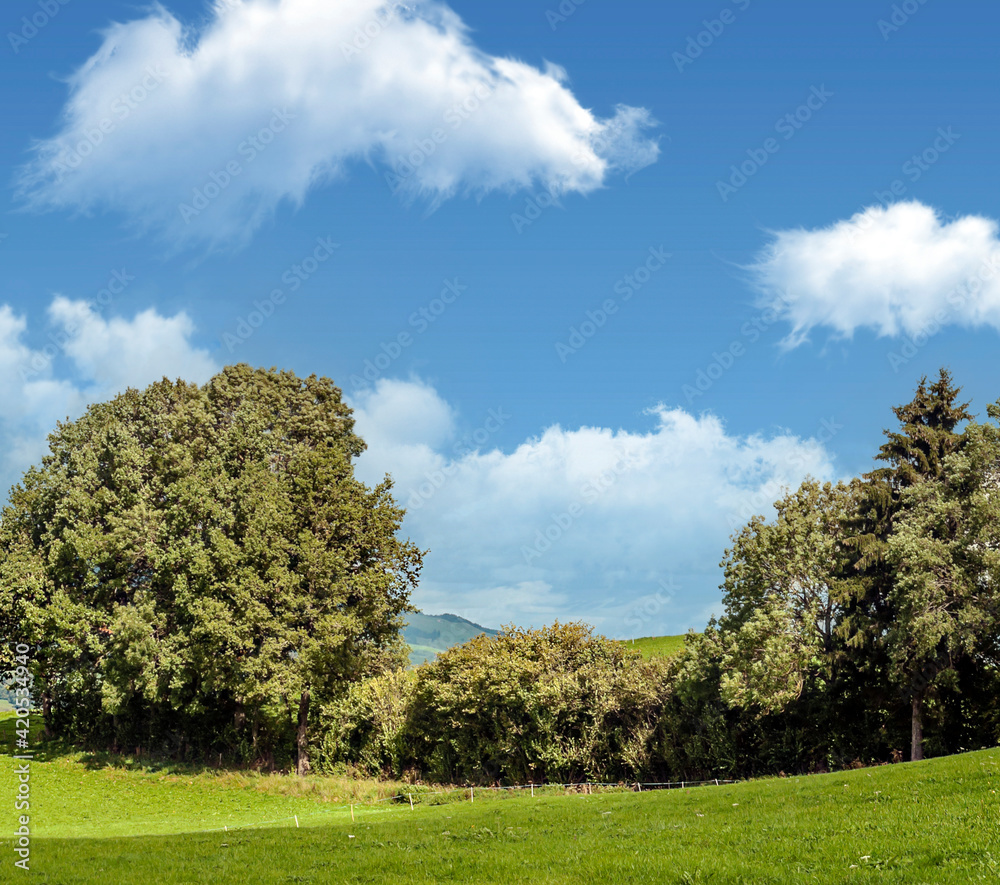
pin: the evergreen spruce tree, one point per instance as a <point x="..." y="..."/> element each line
<point x="914" y="454"/>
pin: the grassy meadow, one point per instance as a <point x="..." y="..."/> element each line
<point x="662" y="646"/>
<point x="110" y="820"/>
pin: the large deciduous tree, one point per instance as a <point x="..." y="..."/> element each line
<point x="194" y="567"/>
<point x="782" y="597"/>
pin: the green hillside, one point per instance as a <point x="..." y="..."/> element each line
<point x="663" y="646"/>
<point x="932" y="822"/>
<point x="427" y="635"/>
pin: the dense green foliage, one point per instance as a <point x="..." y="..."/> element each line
<point x="197" y="570"/>
<point x="363" y="731"/>
<point x="557" y="704"/>
<point x="918" y="456"/>
<point x="932" y="822"/>
<point x="864" y="619"/>
<point x="195" y="567"/>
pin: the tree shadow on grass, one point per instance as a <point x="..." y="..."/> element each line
<point x="52" y="750"/>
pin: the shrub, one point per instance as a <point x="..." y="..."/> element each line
<point x="364" y="729"/>
<point x="556" y="704"/>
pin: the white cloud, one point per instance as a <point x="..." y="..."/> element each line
<point x="117" y="353"/>
<point x="104" y="357"/>
<point x="529" y="602"/>
<point x="405" y="415"/>
<point x="897" y="270"/>
<point x="580" y="522"/>
<point x="159" y="113"/>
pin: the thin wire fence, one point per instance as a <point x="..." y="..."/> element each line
<point x="415" y="798"/>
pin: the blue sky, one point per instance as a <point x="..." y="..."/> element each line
<point x="599" y="279"/>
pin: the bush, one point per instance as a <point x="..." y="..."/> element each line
<point x="364" y="729"/>
<point x="556" y="704"/>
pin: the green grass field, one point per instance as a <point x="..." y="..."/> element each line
<point x="664" y="646"/>
<point x="97" y="820"/>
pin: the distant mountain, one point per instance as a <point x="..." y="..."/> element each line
<point x="429" y="634"/>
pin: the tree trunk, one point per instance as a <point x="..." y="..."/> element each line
<point x="917" y="731"/>
<point x="47" y="715"/>
<point x="302" y="738"/>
